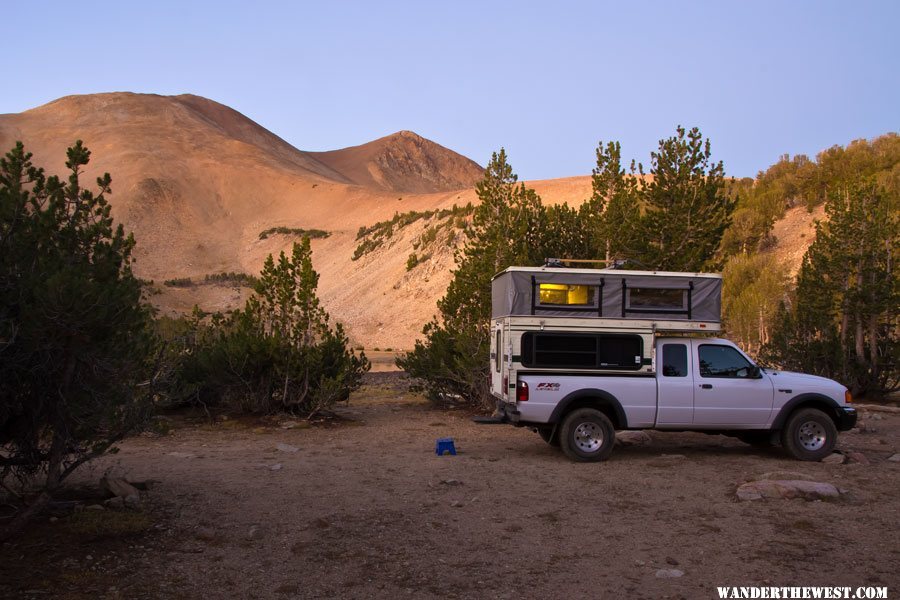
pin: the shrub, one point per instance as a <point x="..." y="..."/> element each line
<point x="179" y="282"/>
<point x="279" y="353"/>
<point x="376" y="235"/>
<point x="309" y="233"/>
<point x="242" y="279"/>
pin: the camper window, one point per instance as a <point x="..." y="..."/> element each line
<point x="644" y="298"/>
<point x="563" y="294"/>
<point x="581" y="351"/>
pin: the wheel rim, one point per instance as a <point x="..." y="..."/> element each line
<point x="812" y="435"/>
<point x="588" y="437"/>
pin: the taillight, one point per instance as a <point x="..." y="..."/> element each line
<point x="848" y="397"/>
<point x="522" y="392"/>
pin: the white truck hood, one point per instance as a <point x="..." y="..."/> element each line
<point x="802" y="383"/>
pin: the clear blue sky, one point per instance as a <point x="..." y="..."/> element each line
<point x="547" y="80"/>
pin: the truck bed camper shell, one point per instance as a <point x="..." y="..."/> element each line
<point x="663" y="300"/>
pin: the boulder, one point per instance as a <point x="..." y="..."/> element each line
<point x="118" y="487"/>
<point x="787" y="489"/>
<point x="894" y="458"/>
<point x="857" y="457"/>
<point x="133" y="501"/>
<point x="633" y="438"/>
<point x="669" y="573"/>
<point x="835" y="458"/>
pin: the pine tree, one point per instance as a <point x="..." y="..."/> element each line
<point x="280" y="352"/>
<point x="612" y="213"/>
<point x="509" y="227"/>
<point x="685" y="210"/>
<point x="844" y="320"/>
<point x="75" y="374"/>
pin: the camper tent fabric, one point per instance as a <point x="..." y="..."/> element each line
<point x="516" y="292"/>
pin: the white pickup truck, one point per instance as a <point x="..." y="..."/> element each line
<point x="576" y="376"/>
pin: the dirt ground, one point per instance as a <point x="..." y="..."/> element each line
<point x="363" y="508"/>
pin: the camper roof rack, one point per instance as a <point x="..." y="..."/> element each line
<point x="562" y="262"/>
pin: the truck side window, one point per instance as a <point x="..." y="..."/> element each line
<point x="675" y="363"/>
<point x="722" y="361"/>
<point x="498" y="356"/>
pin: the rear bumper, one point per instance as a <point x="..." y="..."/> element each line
<point x="509" y="412"/>
<point x="846" y="418"/>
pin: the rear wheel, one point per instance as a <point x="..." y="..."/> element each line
<point x="587" y="435"/>
<point x="809" y="434"/>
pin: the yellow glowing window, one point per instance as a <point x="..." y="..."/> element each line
<point x="563" y="294"/>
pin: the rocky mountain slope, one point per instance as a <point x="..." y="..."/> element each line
<point x="197" y="182"/>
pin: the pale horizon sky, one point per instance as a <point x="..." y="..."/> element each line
<point x="547" y="81"/>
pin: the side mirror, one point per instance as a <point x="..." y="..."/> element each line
<point x="754" y="373"/>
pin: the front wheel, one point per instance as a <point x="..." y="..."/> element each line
<point x="587" y="435"/>
<point x="809" y="434"/>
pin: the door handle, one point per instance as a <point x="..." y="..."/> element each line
<point x="706" y="386"/>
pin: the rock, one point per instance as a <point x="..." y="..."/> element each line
<point x="669" y="573"/>
<point x="255" y="533"/>
<point x="181" y="454"/>
<point x="133" y="501"/>
<point x="222" y="418"/>
<point x="456" y="504"/>
<point x="788" y="489"/>
<point x="790" y="475"/>
<point x="451" y="482"/>
<point x="671" y="561"/>
<point x="54" y="519"/>
<point x="288" y="424"/>
<point x="633" y="438"/>
<point x="894" y="458"/>
<point x="286" y="448"/>
<point x="118" y="487"/>
<point x="116" y="502"/>
<point x="276" y="467"/>
<point x="857" y="457"/>
<point x="94" y="507"/>
<point x="876" y="417"/>
<point x="835" y="458"/>
<point x="207" y="534"/>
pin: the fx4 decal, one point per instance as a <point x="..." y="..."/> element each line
<point x="547" y="387"/>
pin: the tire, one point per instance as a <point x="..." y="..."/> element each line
<point x="809" y="434"/>
<point x="587" y="435"/>
<point x="546" y="434"/>
<point x="757" y="439"/>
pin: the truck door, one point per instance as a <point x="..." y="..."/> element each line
<point x="675" y="383"/>
<point x="724" y="392"/>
